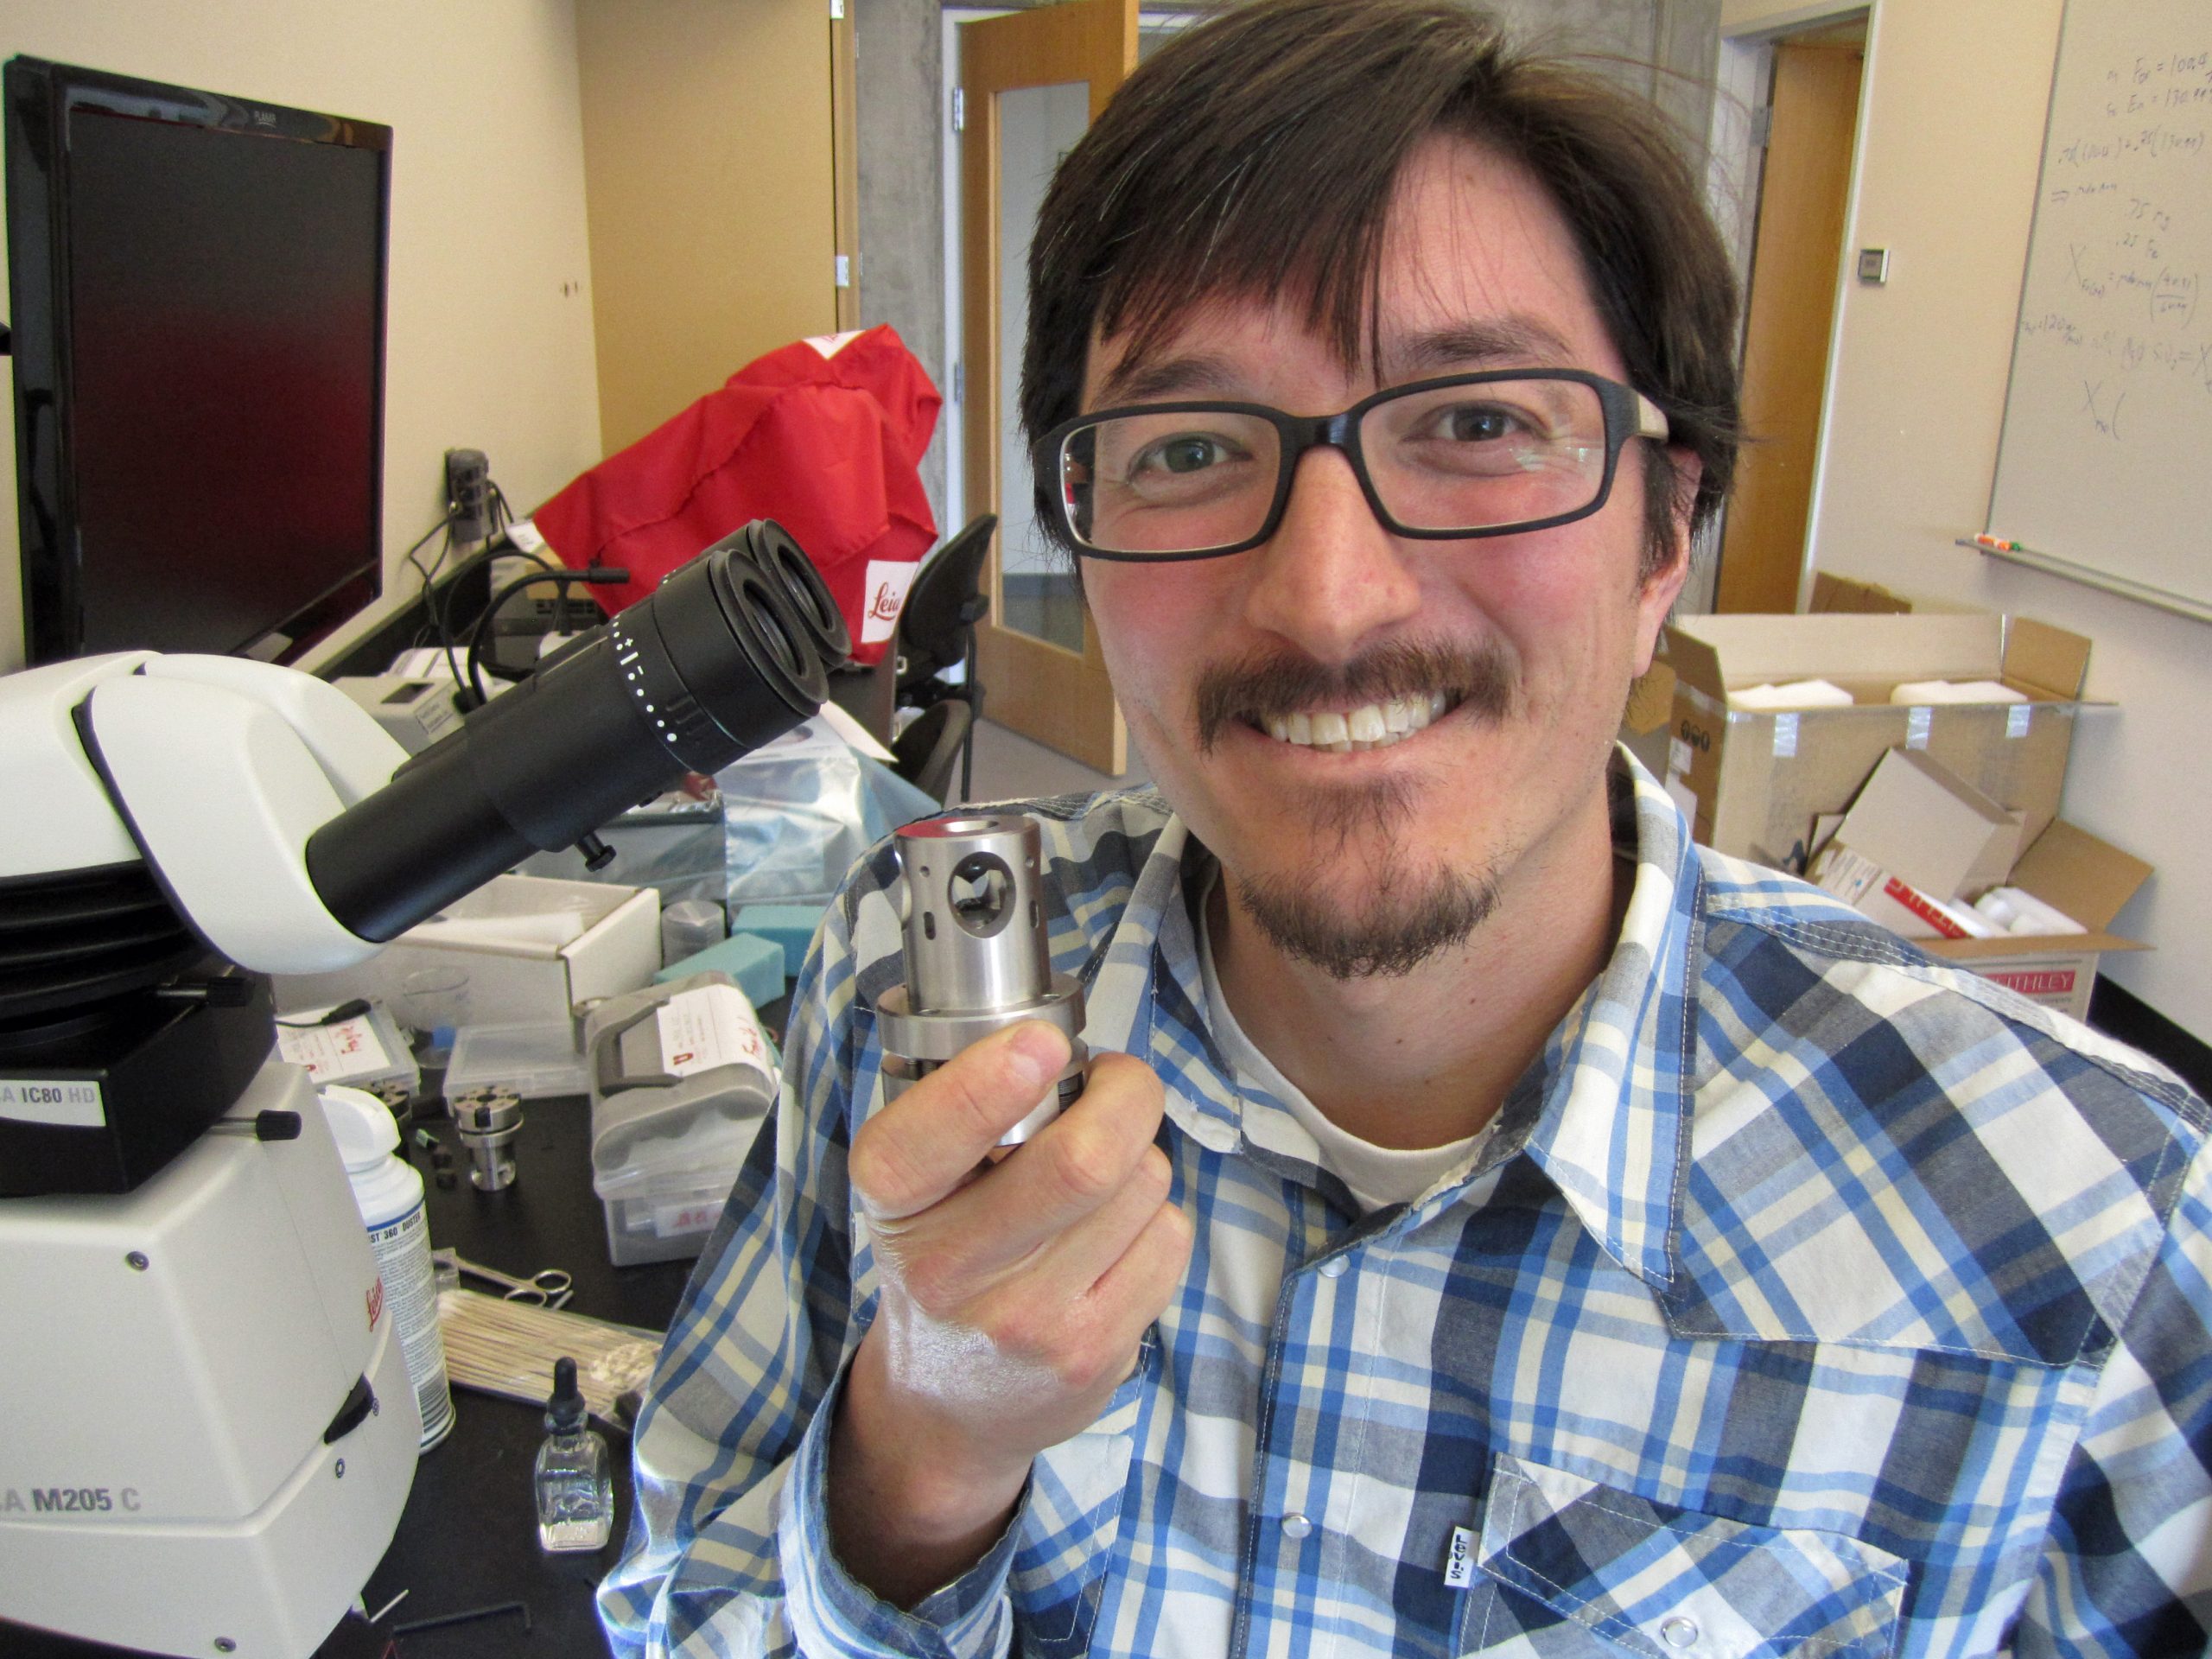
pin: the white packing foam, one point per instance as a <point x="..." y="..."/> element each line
<point x="1926" y="691"/>
<point x="1796" y="693"/>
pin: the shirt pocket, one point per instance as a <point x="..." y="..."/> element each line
<point x="1668" y="1583"/>
<point x="1071" y="1521"/>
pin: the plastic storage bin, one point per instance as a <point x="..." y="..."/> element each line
<point x="681" y="1079"/>
<point x="529" y="1061"/>
<point x="366" y="1051"/>
<point x="663" y="1212"/>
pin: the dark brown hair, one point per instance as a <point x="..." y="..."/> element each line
<point x="1255" y="158"/>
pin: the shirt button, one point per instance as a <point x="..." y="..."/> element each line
<point x="1296" y="1526"/>
<point x="1679" y="1632"/>
<point x="1334" y="1268"/>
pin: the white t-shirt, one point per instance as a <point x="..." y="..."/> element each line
<point x="1377" y="1176"/>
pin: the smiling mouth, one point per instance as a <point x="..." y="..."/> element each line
<point x="1370" y="726"/>
<point x="1386" y="694"/>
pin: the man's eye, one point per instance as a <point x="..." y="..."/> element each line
<point x="1187" y="452"/>
<point x="1478" y="423"/>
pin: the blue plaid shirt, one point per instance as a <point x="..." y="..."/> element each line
<point x="1813" y="1297"/>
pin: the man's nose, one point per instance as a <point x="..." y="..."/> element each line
<point x="1331" y="578"/>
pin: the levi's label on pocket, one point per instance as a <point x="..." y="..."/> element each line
<point x="1459" y="1563"/>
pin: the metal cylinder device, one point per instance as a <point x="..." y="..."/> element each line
<point x="976" y="957"/>
<point x="488" y="1123"/>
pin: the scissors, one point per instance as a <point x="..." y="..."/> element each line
<point x="547" y="1287"/>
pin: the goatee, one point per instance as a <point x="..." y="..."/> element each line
<point x="1407" y="920"/>
<point x="1407" y="916"/>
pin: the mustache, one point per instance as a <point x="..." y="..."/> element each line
<point x="1253" y="688"/>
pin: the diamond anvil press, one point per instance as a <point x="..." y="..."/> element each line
<point x="970" y="898"/>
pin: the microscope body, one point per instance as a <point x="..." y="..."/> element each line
<point x="211" y="1433"/>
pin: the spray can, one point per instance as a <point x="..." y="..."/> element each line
<point x="389" y="1194"/>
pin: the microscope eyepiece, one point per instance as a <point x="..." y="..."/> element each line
<point x="716" y="661"/>
<point x="806" y="596"/>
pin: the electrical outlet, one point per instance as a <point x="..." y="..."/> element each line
<point x="468" y="494"/>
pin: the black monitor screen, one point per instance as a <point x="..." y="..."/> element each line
<point x="219" y="311"/>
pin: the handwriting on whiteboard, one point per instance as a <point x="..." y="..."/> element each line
<point x="2121" y="303"/>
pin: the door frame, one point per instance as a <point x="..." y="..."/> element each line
<point x="1735" y="183"/>
<point x="951" y="423"/>
<point x="1054" y="695"/>
<point x="1151" y="25"/>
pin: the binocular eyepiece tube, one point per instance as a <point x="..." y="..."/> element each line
<point x="729" y="652"/>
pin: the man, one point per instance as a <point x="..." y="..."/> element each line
<point x="1491" y="1224"/>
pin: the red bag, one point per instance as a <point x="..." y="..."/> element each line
<point x="824" y="435"/>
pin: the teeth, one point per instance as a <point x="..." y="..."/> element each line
<point x="1371" y="726"/>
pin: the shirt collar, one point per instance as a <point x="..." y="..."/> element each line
<point x="1614" y="1080"/>
<point x="1147" y="997"/>
<point x="1604" y="1111"/>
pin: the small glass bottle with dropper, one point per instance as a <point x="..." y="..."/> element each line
<point x="575" y="1492"/>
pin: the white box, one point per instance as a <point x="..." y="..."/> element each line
<point x="534" y="950"/>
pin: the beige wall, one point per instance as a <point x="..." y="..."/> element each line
<point x="490" y="334"/>
<point x="1950" y="142"/>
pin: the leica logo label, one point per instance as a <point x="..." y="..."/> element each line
<point x="884" y="586"/>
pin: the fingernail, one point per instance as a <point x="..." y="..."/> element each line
<point x="1036" y="1051"/>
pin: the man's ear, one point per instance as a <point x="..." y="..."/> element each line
<point x="1661" y="588"/>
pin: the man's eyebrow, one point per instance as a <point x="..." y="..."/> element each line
<point x="1139" y="379"/>
<point x="1501" y="342"/>
<point x="1505" y="341"/>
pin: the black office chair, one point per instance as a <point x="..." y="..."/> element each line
<point x="935" y="738"/>
<point x="937" y="633"/>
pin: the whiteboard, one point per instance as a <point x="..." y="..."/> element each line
<point x="2106" y="461"/>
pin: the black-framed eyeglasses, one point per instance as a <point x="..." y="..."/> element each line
<point x="1461" y="456"/>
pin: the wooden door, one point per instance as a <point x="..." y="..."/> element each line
<point x="718" y="192"/>
<point x="1796" y="257"/>
<point x="1030" y="83"/>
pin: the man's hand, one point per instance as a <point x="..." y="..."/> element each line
<point x="1013" y="1297"/>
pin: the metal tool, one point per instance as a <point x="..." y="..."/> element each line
<point x="977" y="954"/>
<point x="547" y="1287"/>
<point x="488" y="1119"/>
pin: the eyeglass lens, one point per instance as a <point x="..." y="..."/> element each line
<point x="1447" y="458"/>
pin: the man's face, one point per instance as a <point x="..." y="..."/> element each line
<point x="1374" y="857"/>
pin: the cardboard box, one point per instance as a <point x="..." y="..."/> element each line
<point x="1833" y="594"/>
<point x="2081" y="876"/>
<point x="540" y="949"/>
<point x="1752" y="782"/>
<point x="1916" y="832"/>
<point x="1920" y="821"/>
